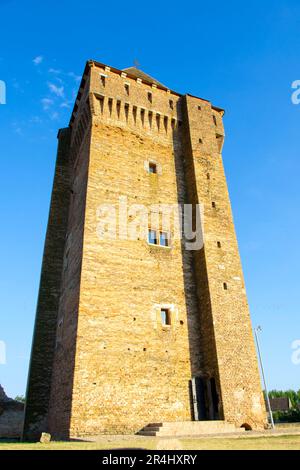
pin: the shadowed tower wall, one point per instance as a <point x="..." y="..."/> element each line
<point x="116" y="367"/>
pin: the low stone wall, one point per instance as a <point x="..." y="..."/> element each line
<point x="11" y="419"/>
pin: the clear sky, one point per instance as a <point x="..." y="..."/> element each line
<point x="243" y="56"/>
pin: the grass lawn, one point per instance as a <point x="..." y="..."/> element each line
<point x="288" y="442"/>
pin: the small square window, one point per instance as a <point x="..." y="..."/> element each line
<point x="199" y="108"/>
<point x="152" y="167"/>
<point x="102" y="78"/>
<point x="200" y="141"/>
<point x="164" y="239"/>
<point x="165" y="316"/>
<point x="152" y="237"/>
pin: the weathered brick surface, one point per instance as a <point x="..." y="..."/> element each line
<point x="11" y="417"/>
<point x="41" y="364"/>
<point x="116" y="368"/>
<point x="11" y="422"/>
<point x="229" y="346"/>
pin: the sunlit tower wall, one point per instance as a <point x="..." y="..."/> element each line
<point x="102" y="359"/>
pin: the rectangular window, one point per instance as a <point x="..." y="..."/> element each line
<point x="152" y="167"/>
<point x="152" y="238"/>
<point x="165" y="316"/>
<point x="164" y="239"/>
<point x="102" y="78"/>
<point x="158" y="237"/>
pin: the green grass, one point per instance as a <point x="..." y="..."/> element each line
<point x="288" y="442"/>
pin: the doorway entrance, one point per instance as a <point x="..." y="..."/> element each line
<point x="205" y="398"/>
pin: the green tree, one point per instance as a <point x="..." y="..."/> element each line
<point x="292" y="415"/>
<point x="20" y="398"/>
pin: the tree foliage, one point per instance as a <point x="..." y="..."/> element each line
<point x="20" y="398"/>
<point x="292" y="415"/>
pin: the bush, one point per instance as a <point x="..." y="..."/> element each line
<point x="291" y="416"/>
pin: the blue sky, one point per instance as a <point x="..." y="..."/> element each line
<point x="241" y="57"/>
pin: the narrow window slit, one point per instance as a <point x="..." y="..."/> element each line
<point x="166" y="123"/>
<point x="126" y="107"/>
<point x="165" y="315"/>
<point x="110" y="105"/>
<point x="102" y="79"/>
<point x="158" y="121"/>
<point x="150" y="115"/>
<point x="118" y="108"/>
<point x="134" y="112"/>
<point x="101" y="101"/>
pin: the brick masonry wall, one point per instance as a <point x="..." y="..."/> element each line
<point x="41" y="364"/>
<point x="67" y="328"/>
<point x="116" y="368"/>
<point x="11" y="420"/>
<point x="229" y="347"/>
<point x="130" y="370"/>
<point x="11" y="424"/>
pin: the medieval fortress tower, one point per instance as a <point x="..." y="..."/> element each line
<point x="136" y="331"/>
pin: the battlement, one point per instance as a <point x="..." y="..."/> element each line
<point x="114" y="97"/>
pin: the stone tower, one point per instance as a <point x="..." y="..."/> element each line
<point x="133" y="331"/>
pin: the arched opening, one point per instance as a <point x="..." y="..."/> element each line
<point x="247" y="427"/>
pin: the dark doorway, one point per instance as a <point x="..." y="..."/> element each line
<point x="205" y="399"/>
<point x="199" y="398"/>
